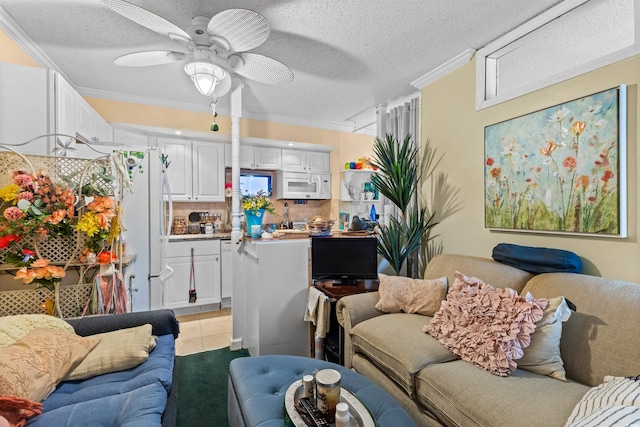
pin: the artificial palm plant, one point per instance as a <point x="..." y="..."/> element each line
<point x="399" y="174"/>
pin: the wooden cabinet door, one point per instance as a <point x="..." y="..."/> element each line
<point x="208" y="165"/>
<point x="180" y="170"/>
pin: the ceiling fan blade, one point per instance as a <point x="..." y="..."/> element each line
<point x="260" y="68"/>
<point x="242" y="29"/>
<point x="145" y="18"/>
<point x="148" y="58"/>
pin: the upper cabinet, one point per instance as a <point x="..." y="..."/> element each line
<point x="255" y="157"/>
<point x="196" y="171"/>
<point x="36" y="102"/>
<point x="305" y="161"/>
<point x="74" y="116"/>
<point x="24" y="107"/>
<point x="90" y="124"/>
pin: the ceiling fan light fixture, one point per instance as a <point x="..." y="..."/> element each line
<point x="205" y="76"/>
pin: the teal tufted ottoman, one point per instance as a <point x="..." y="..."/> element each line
<point x="257" y="386"/>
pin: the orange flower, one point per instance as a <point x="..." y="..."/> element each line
<point x="106" y="257"/>
<point x="578" y="127"/>
<point x="583" y="180"/>
<point x="55" y="271"/>
<point x="607" y="175"/>
<point x="548" y="149"/>
<point x="103" y="219"/>
<point x="41" y="262"/>
<point x="495" y="172"/>
<point x="27" y="276"/>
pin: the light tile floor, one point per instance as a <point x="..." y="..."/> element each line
<point x="203" y="331"/>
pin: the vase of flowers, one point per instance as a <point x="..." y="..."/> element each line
<point x="254" y="208"/>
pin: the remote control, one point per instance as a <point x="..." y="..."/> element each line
<point x="314" y="412"/>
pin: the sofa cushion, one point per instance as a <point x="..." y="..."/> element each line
<point x="396" y="344"/>
<point x="464" y="395"/>
<point x="157" y="368"/>
<point x="398" y="293"/>
<point x="138" y="407"/>
<point x="542" y="356"/>
<point x="486" y="326"/>
<point x="117" y="350"/>
<point x="12" y="328"/>
<point x="33" y="366"/>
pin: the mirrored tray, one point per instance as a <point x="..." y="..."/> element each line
<point x="360" y="416"/>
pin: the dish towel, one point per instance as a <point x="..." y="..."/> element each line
<point x="318" y="311"/>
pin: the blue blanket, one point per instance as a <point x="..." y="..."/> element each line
<point x="133" y="397"/>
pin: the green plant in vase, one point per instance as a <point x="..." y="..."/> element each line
<point x="398" y="177"/>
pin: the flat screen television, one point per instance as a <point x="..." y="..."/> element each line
<point x="344" y="260"/>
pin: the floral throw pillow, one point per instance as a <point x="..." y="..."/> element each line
<point x="484" y="325"/>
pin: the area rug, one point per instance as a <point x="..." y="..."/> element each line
<point x="202" y="387"/>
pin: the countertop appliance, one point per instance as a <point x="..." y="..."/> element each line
<point x="147" y="221"/>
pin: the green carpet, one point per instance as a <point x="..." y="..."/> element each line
<point x="202" y="387"/>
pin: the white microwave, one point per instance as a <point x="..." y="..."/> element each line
<point x="303" y="185"/>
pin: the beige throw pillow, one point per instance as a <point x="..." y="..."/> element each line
<point x="32" y="367"/>
<point x="118" y="350"/>
<point x="543" y="354"/>
<point x="12" y="328"/>
<point x="399" y="293"/>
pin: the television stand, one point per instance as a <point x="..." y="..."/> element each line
<point x="334" y="341"/>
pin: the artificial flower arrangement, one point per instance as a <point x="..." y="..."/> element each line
<point x="256" y="202"/>
<point x="34" y="208"/>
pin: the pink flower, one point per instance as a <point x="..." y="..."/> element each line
<point x="22" y="180"/>
<point x="26" y="195"/>
<point x="13" y="214"/>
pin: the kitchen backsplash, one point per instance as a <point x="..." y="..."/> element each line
<point x="297" y="212"/>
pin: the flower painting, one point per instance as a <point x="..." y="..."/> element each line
<point x="559" y="170"/>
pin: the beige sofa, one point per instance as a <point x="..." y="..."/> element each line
<point x="601" y="338"/>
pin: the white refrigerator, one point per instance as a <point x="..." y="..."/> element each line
<point x="147" y="218"/>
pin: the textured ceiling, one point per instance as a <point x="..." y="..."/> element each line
<point x="347" y="55"/>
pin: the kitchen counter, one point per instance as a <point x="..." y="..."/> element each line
<point x="184" y="237"/>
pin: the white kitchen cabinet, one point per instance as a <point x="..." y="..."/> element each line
<point x="206" y="271"/>
<point x="305" y="161"/>
<point x="66" y="97"/>
<point x="256" y="157"/>
<point x="89" y="124"/>
<point x="208" y="171"/>
<point x="24" y="107"/>
<point x="226" y="272"/>
<point x="196" y="171"/>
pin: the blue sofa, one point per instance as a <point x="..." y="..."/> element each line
<point x="140" y="396"/>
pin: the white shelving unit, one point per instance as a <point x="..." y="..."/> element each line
<point x="351" y="191"/>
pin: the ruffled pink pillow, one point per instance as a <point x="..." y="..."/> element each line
<point x="486" y="326"/>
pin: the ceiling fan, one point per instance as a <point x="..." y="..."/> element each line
<point x="215" y="49"/>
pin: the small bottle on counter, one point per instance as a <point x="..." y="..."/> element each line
<point x="217" y="223"/>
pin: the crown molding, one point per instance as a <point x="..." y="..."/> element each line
<point x="22" y="39"/>
<point x="136" y="99"/>
<point x="444" y="69"/>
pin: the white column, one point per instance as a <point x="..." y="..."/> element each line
<point x="239" y="289"/>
